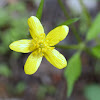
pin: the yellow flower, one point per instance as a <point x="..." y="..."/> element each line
<point x="41" y="45"/>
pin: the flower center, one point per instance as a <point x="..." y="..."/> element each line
<point x="40" y="45"/>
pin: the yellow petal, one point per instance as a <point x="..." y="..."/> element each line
<point x="23" y="46"/>
<point x="35" y="27"/>
<point x="57" y="35"/>
<point x="32" y="63"/>
<point x="56" y="58"/>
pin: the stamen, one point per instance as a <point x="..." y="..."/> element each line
<point x="41" y="45"/>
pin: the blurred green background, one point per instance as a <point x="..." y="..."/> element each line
<point x="49" y="83"/>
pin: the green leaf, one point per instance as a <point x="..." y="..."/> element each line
<point x="92" y="92"/>
<point x="94" y="29"/>
<point x="70" y="21"/>
<point x="72" y="72"/>
<point x="40" y="9"/>
<point x="96" y="51"/>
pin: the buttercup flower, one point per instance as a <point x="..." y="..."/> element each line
<point x="41" y="45"/>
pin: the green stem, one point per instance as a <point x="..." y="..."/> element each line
<point x="79" y="47"/>
<point x="67" y="46"/>
<point x="76" y="33"/>
<point x="67" y="16"/>
<point x="40" y="10"/>
<point x="89" y="52"/>
<point x="86" y="13"/>
<point x="63" y="9"/>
